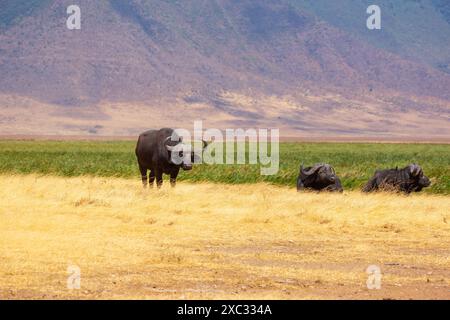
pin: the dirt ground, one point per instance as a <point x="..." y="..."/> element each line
<point x="208" y="241"/>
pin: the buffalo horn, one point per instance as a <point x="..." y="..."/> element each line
<point x="313" y="169"/>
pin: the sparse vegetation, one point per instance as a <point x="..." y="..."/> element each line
<point x="206" y="240"/>
<point x="13" y="10"/>
<point x="354" y="162"/>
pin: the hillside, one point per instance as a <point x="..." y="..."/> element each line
<point x="306" y="67"/>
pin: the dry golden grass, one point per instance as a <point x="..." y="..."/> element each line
<point x="216" y="241"/>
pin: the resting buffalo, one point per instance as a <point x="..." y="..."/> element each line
<point x="321" y="176"/>
<point x="154" y="152"/>
<point x="409" y="179"/>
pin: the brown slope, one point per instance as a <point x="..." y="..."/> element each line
<point x="194" y="55"/>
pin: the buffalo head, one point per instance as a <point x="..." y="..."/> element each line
<point x="416" y="175"/>
<point x="319" y="177"/>
<point x="323" y="172"/>
<point x="180" y="153"/>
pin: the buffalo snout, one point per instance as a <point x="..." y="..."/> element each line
<point x="424" y="181"/>
<point x="187" y="167"/>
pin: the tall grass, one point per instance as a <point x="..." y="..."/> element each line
<point x="354" y="162"/>
<point x="198" y="241"/>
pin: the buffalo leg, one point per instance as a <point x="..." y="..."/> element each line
<point x="143" y="171"/>
<point x="173" y="178"/>
<point x="159" y="179"/>
<point x="371" y="185"/>
<point x="300" y="185"/>
<point x="152" y="177"/>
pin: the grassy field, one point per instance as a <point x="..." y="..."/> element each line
<point x="207" y="240"/>
<point x="354" y="162"/>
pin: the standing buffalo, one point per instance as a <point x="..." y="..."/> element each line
<point x="409" y="179"/>
<point x="321" y="176"/>
<point x="154" y="152"/>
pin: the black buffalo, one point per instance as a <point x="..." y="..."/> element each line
<point x="321" y="176"/>
<point x="409" y="179"/>
<point x="154" y="152"/>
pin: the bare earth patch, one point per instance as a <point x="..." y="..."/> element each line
<point x="217" y="241"/>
